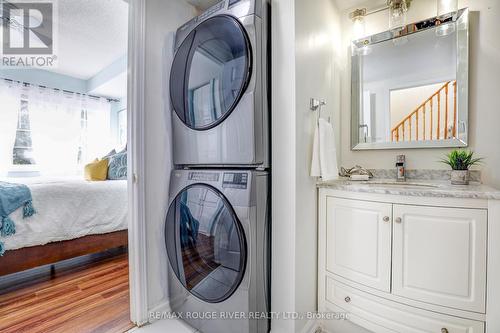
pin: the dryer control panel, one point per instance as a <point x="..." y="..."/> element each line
<point x="237" y="180"/>
<point x="204" y="176"/>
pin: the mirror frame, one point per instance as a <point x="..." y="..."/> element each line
<point x="462" y="84"/>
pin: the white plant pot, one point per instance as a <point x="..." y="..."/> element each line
<point x="460" y="177"/>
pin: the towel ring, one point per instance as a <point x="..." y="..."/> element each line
<point x="316" y="105"/>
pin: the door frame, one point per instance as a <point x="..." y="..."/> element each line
<point x="136" y="177"/>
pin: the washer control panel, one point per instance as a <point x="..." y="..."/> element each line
<point x="237" y="180"/>
<point x="209" y="12"/>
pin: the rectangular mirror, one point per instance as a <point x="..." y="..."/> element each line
<point x="410" y="85"/>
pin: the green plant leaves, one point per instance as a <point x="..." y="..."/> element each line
<point x="461" y="159"/>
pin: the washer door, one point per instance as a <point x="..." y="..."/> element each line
<point x="205" y="243"/>
<point x="210" y="72"/>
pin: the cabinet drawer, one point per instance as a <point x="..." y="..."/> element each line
<point x="381" y="316"/>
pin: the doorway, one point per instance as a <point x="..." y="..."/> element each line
<point x="64" y="128"/>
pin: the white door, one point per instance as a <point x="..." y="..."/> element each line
<point x="358" y="241"/>
<point x="439" y="256"/>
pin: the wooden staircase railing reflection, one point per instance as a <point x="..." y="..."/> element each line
<point x="403" y="130"/>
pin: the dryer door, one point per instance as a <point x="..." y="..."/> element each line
<point x="205" y="243"/>
<point x="210" y="72"/>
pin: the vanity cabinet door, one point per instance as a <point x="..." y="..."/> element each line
<point x="358" y="241"/>
<point x="439" y="256"/>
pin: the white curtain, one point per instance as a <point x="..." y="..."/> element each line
<point x="9" y="107"/>
<point x="68" y="130"/>
<point x="55" y="127"/>
<point x="99" y="135"/>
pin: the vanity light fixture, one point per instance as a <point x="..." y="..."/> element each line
<point x="358" y="19"/>
<point x="358" y="29"/>
<point x="397" y="16"/>
<point x="397" y="13"/>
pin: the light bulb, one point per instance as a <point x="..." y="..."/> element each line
<point x="358" y="23"/>
<point x="358" y="28"/>
<point x="397" y="13"/>
<point x="397" y="18"/>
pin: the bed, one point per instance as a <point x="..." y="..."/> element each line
<point x="74" y="217"/>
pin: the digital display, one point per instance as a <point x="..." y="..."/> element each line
<point x="235" y="180"/>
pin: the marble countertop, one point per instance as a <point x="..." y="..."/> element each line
<point x="415" y="187"/>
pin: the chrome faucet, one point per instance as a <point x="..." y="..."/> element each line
<point x="401" y="168"/>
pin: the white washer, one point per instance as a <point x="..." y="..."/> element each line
<point x="217" y="240"/>
<point x="219" y="87"/>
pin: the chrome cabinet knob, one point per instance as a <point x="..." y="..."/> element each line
<point x="399" y="220"/>
<point x="444" y="330"/>
<point x="386" y="218"/>
<point x="347" y="299"/>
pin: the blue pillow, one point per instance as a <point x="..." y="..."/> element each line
<point x="117" y="169"/>
<point x="108" y="156"/>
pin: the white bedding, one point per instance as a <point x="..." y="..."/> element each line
<point x="68" y="208"/>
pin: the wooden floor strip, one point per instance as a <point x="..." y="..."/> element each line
<point x="93" y="297"/>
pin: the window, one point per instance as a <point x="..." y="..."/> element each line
<point x="82" y="147"/>
<point x="22" y="152"/>
<point x="52" y="132"/>
<point x="122" y="128"/>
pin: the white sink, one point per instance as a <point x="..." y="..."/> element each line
<point x="401" y="184"/>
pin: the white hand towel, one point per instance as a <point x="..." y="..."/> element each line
<point x="315" y="163"/>
<point x="324" y="158"/>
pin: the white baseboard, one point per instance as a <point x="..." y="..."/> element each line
<point x="311" y="326"/>
<point x="160" y="308"/>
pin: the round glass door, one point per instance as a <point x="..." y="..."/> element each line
<point x="205" y="243"/>
<point x="210" y="72"/>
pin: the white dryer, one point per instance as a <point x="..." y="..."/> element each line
<point x="219" y="87"/>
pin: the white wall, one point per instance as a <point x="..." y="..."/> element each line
<point x="162" y="17"/>
<point x="283" y="159"/>
<point x="484" y="71"/>
<point x="317" y="36"/>
<point x="404" y="101"/>
<point x="308" y="44"/>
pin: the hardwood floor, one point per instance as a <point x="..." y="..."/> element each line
<point x="88" y="297"/>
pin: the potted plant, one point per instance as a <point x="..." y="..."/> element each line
<point x="461" y="161"/>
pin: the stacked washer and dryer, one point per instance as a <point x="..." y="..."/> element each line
<point x="217" y="229"/>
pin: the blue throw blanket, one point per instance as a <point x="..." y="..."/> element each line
<point x="13" y="196"/>
<point x="189" y="227"/>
